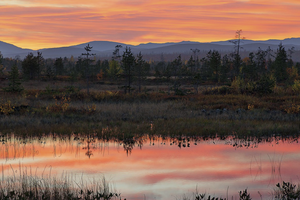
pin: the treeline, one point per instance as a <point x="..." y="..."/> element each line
<point x="261" y="70"/>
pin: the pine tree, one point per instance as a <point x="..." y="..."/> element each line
<point x="59" y="66"/>
<point x="280" y="64"/>
<point x="1" y="66"/>
<point x="214" y="61"/>
<point x="128" y="62"/>
<point x="88" y="49"/>
<point x="32" y="65"/>
<point x="14" y="80"/>
<point x="141" y="67"/>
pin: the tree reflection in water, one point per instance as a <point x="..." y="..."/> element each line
<point x="12" y="147"/>
<point x="88" y="147"/>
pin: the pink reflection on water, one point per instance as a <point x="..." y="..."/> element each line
<point x="159" y="169"/>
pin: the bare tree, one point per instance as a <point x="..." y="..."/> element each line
<point x="236" y="56"/>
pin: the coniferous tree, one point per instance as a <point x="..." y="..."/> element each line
<point x="114" y="70"/>
<point x="49" y="72"/>
<point x="40" y="63"/>
<point x="177" y="73"/>
<point x="249" y="70"/>
<point x="280" y="64"/>
<point x="30" y="66"/>
<point x="141" y="68"/>
<point x="214" y="62"/>
<point x="59" y="66"/>
<point x="128" y="65"/>
<point x="14" y="80"/>
<point x="88" y="49"/>
<point x="236" y="57"/>
<point x="1" y="66"/>
<point x="225" y="67"/>
<point x="191" y="65"/>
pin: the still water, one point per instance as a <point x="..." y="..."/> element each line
<point x="163" y="168"/>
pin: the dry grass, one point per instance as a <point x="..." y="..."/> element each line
<point x="60" y="109"/>
<point x="25" y="184"/>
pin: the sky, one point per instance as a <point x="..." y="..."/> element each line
<point x="40" y="24"/>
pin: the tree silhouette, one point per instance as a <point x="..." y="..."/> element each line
<point x="31" y="66"/>
<point x="195" y="52"/>
<point x="116" y="53"/>
<point x="128" y="64"/>
<point x="14" y="80"/>
<point x="114" y="69"/>
<point x="280" y="64"/>
<point x="141" y="68"/>
<point x="1" y="65"/>
<point x="176" y="66"/>
<point x="214" y="62"/>
<point x="236" y="55"/>
<point x="88" y="49"/>
<point x="59" y="66"/>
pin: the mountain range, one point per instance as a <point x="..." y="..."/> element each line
<point x="105" y="48"/>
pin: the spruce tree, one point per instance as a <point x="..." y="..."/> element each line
<point x="1" y="66"/>
<point x="141" y="67"/>
<point x="128" y="64"/>
<point x="14" y="80"/>
<point x="280" y="64"/>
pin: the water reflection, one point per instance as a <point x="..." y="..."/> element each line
<point x="163" y="168"/>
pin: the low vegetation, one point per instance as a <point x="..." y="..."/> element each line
<point x="28" y="186"/>
<point x="66" y="110"/>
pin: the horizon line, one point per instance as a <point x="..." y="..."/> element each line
<point x="137" y="44"/>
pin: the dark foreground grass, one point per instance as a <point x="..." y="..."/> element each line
<point x="27" y="186"/>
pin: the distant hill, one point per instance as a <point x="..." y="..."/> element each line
<point x="105" y="48"/>
<point x="101" y="45"/>
<point x="10" y="50"/>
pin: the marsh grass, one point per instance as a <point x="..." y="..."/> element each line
<point x="59" y="108"/>
<point x="27" y="184"/>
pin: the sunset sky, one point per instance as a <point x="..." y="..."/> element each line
<point x="39" y="24"/>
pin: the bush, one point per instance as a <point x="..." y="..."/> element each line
<point x="6" y="108"/>
<point x="296" y="86"/>
<point x="265" y="85"/>
<point x="287" y="191"/>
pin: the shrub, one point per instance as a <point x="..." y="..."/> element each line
<point x="292" y="109"/>
<point x="7" y="108"/>
<point x="238" y="84"/>
<point x="287" y="191"/>
<point x="296" y="86"/>
<point x="60" y="104"/>
<point x="265" y="85"/>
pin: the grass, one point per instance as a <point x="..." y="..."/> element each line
<point x="29" y="186"/>
<point x="63" y="109"/>
<point x="24" y="184"/>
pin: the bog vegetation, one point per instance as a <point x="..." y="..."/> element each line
<point x="257" y="94"/>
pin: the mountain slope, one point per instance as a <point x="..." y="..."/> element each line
<point x="10" y="50"/>
<point x="105" y="48"/>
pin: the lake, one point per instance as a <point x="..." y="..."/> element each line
<point x="161" y="168"/>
